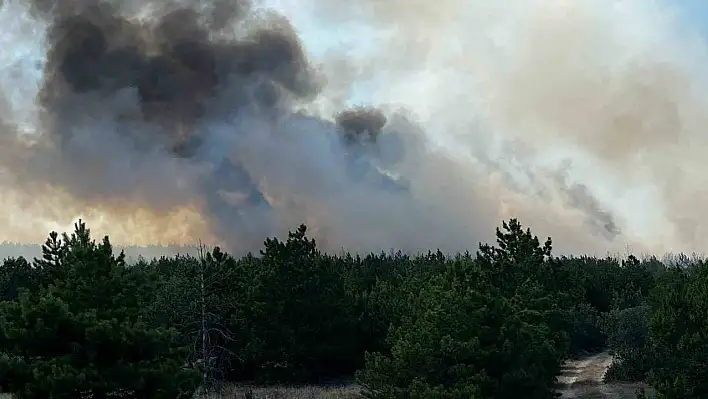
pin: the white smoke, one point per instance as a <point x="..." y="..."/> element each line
<point x="582" y="118"/>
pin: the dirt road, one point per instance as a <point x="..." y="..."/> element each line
<point x="583" y="379"/>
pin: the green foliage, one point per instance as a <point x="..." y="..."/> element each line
<point x="641" y="393"/>
<point x="484" y="327"/>
<point x="495" y="324"/>
<point x="296" y="319"/>
<point x="16" y="274"/>
<point x="627" y="336"/>
<point x="678" y="333"/>
<point x="586" y="334"/>
<point x="82" y="333"/>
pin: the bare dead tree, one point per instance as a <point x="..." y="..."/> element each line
<point x="210" y="353"/>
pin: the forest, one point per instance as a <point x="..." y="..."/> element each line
<point x="82" y="321"/>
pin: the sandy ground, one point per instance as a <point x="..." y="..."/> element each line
<point x="583" y="379"/>
<point x="580" y="379"/>
<point x="590" y="369"/>
<point x="311" y="392"/>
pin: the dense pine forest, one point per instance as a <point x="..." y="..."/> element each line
<point x="81" y="321"/>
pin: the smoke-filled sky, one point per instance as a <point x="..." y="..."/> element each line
<point x="227" y="122"/>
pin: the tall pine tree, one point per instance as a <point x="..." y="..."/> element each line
<point x="82" y="333"/>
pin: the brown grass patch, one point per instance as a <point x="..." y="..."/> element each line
<point x="304" y="392"/>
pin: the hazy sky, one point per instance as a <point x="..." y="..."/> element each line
<point x="636" y="204"/>
<point x="319" y="36"/>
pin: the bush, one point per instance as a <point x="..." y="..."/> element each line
<point x="627" y="337"/>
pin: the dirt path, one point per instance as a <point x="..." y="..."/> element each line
<point x="586" y="371"/>
<point x="583" y="379"/>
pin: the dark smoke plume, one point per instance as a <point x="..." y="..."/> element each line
<point x="160" y="111"/>
<point x="176" y="64"/>
<point x="361" y="125"/>
<point x="176" y="122"/>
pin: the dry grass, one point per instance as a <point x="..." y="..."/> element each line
<point x="579" y="391"/>
<point x="581" y="378"/>
<point x="612" y="391"/>
<point x="306" y="392"/>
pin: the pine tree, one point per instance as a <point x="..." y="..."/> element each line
<point x="296" y="319"/>
<point x="83" y="333"/>
<point x="485" y="327"/>
<point x="17" y="273"/>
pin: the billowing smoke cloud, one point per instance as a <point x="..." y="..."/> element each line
<point x="143" y="113"/>
<point x="162" y="122"/>
<point x="596" y="106"/>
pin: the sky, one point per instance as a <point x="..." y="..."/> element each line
<point x="696" y="13"/>
<point x="321" y="37"/>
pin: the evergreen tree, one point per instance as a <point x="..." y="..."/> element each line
<point x="298" y="325"/>
<point x="15" y="274"/>
<point x="678" y="338"/>
<point x="485" y="328"/>
<point x="83" y="333"/>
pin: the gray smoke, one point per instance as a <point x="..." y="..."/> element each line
<point x="182" y="107"/>
<point x="163" y="122"/>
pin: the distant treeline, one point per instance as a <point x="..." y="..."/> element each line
<point x="496" y="323"/>
<point x="132" y="252"/>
